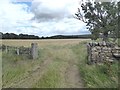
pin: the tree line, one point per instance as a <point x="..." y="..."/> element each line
<point x="15" y="36"/>
<point x="26" y="36"/>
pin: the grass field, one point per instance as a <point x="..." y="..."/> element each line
<point x="43" y="42"/>
<point x="61" y="64"/>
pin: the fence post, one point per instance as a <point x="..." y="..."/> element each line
<point x="34" y="50"/>
<point x="6" y="49"/>
<point x="89" y="52"/>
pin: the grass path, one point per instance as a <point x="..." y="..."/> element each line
<point x="60" y="65"/>
<point x="33" y="76"/>
<point x="63" y="62"/>
<point x="72" y="77"/>
<point x="59" y="69"/>
<point x="69" y="69"/>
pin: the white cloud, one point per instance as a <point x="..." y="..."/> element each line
<point x="50" y="18"/>
<point x="13" y="15"/>
<point x="56" y="17"/>
<point x="57" y="9"/>
<point x="64" y="27"/>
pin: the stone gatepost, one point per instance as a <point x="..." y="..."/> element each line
<point x="6" y="49"/>
<point x="34" y="50"/>
<point x="18" y="51"/>
<point x="89" y="52"/>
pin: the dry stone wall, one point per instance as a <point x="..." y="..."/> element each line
<point x="101" y="51"/>
<point x="32" y="52"/>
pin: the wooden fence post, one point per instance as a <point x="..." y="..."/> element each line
<point x="34" y="50"/>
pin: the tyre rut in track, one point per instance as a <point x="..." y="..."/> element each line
<point x="33" y="76"/>
<point x="72" y="73"/>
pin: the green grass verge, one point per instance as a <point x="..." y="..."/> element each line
<point x="94" y="76"/>
<point x="15" y="67"/>
<point x="54" y="76"/>
<point x="0" y="70"/>
<point x="51" y="79"/>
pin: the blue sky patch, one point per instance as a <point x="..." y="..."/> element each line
<point x="27" y="3"/>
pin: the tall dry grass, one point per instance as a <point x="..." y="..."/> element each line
<point x="59" y="54"/>
<point x="42" y="42"/>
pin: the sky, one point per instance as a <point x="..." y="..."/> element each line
<point x="41" y="17"/>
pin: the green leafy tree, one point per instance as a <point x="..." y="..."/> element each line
<point x="100" y="17"/>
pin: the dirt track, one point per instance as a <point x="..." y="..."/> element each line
<point x="69" y="70"/>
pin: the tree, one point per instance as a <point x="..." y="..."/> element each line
<point x="15" y="36"/>
<point x="100" y="17"/>
<point x="1" y="35"/>
<point x="118" y="24"/>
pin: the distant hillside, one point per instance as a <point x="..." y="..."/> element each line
<point x="69" y="36"/>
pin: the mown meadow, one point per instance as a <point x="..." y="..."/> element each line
<point x="61" y="64"/>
